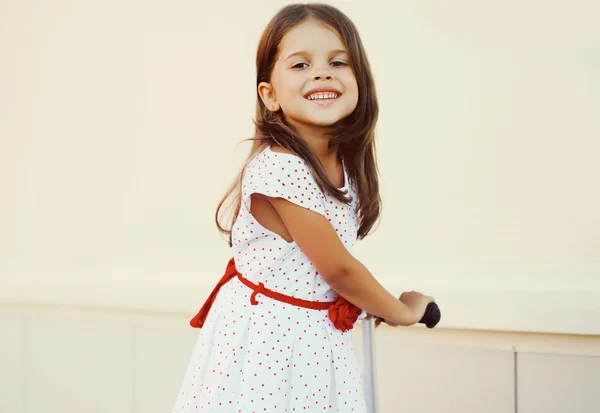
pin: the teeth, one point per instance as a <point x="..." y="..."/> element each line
<point x="320" y="95"/>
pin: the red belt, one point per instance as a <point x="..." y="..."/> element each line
<point x="342" y="313"/>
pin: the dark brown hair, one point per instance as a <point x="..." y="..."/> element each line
<point x="354" y="135"/>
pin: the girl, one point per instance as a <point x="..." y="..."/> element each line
<point x="274" y="334"/>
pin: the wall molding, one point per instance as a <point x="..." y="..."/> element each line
<point x="533" y="311"/>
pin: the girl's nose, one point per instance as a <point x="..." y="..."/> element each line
<point x="322" y="74"/>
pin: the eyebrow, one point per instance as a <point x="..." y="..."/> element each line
<point x="303" y="52"/>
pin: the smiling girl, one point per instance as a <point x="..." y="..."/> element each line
<point x="274" y="332"/>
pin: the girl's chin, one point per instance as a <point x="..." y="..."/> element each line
<point x="319" y="120"/>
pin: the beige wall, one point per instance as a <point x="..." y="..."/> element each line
<point x="67" y="360"/>
<point x="119" y="132"/>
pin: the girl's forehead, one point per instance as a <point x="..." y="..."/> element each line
<point x="310" y="37"/>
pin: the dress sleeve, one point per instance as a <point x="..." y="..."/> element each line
<point x="279" y="175"/>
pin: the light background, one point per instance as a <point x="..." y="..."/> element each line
<point x="121" y="123"/>
<point x="120" y="129"/>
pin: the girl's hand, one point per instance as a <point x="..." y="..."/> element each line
<point x="417" y="303"/>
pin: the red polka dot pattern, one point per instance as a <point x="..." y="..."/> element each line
<point x="275" y="357"/>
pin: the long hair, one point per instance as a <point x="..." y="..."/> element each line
<point x="354" y="135"/>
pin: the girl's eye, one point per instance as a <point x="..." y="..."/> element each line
<point x="335" y="63"/>
<point x="341" y="64"/>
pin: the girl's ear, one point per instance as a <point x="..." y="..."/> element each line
<point x="267" y="94"/>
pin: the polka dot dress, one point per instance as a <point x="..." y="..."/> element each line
<point x="275" y="357"/>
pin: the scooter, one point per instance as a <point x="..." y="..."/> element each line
<point x="431" y="318"/>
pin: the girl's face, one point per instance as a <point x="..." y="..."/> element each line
<point x="312" y="81"/>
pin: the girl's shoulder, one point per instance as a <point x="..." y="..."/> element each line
<point x="281" y="154"/>
<point x="278" y="162"/>
<point x="279" y="150"/>
<point x="282" y="175"/>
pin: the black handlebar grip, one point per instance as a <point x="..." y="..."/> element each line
<point x="431" y="317"/>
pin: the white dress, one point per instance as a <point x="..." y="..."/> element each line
<point x="276" y="357"/>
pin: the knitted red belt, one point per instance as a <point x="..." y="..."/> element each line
<point x="342" y="313"/>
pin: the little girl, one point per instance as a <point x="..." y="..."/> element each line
<point x="275" y="331"/>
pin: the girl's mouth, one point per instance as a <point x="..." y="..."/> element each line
<point x="323" y="98"/>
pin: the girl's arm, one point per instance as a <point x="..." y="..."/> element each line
<point x="345" y="274"/>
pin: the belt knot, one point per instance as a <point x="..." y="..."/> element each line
<point x="259" y="290"/>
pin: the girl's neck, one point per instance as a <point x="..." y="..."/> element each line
<point x="318" y="143"/>
<point x="326" y="154"/>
